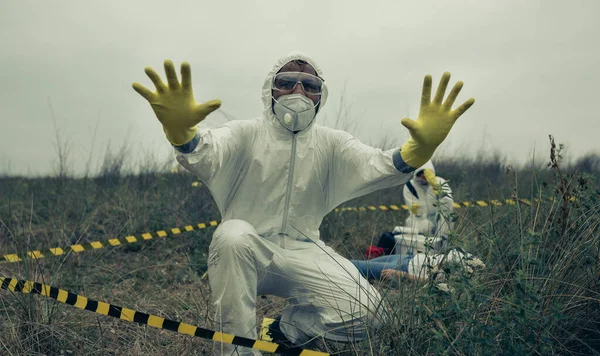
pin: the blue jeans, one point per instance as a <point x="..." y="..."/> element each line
<point x="372" y="268"/>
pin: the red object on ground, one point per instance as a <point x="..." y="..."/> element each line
<point x="374" y="251"/>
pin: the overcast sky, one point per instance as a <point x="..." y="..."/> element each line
<point x="532" y="66"/>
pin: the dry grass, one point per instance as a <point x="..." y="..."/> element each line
<point x="539" y="294"/>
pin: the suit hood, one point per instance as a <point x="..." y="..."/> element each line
<point x="268" y="83"/>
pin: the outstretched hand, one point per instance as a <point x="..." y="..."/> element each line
<point x="435" y="120"/>
<point x="390" y="274"/>
<point x="174" y="104"/>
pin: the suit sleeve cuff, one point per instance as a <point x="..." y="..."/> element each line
<point x="399" y="163"/>
<point x="190" y="146"/>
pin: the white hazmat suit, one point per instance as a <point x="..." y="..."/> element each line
<point x="273" y="189"/>
<point x="431" y="213"/>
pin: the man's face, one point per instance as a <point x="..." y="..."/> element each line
<point x="295" y="66"/>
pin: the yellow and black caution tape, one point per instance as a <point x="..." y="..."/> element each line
<point x="103" y="308"/>
<point x="457" y="205"/>
<point x="95" y="245"/>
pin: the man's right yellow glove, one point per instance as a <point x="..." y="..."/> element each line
<point x="174" y="105"/>
<point x="433" y="123"/>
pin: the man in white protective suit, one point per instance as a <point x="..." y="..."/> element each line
<point x="429" y="201"/>
<point x="274" y="178"/>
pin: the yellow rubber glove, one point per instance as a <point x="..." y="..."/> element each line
<point x="430" y="178"/>
<point x="174" y="105"/>
<point x="415" y="209"/>
<point x="435" y="120"/>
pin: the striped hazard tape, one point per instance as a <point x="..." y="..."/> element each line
<point x="102" y="308"/>
<point x="95" y="245"/>
<point x="457" y="205"/>
<point x="114" y="242"/>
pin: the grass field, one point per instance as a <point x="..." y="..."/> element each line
<point x="540" y="292"/>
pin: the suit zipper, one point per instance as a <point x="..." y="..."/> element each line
<point x="288" y="193"/>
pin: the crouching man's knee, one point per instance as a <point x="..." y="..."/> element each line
<point x="232" y="240"/>
<point x="232" y="234"/>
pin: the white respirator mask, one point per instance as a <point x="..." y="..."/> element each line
<point x="294" y="111"/>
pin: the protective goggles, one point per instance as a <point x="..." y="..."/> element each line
<point x="287" y="81"/>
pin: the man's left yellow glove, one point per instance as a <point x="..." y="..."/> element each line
<point x="434" y="122"/>
<point x="174" y="105"/>
<point x="430" y="178"/>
